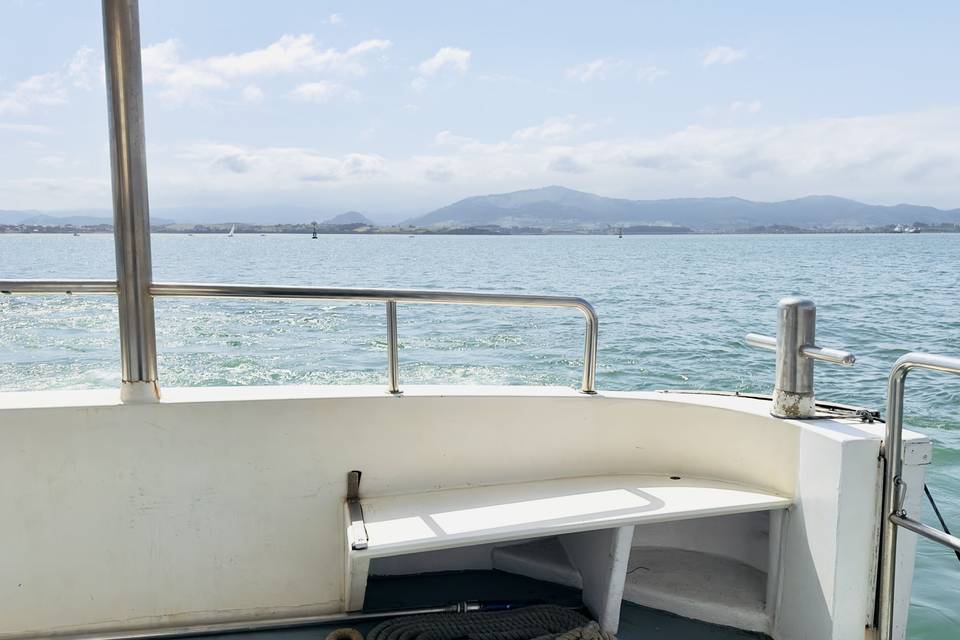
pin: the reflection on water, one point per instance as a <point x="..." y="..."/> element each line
<point x="673" y="312"/>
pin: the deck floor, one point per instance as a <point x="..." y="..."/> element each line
<point x="399" y="592"/>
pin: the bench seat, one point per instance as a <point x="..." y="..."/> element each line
<point x="595" y="514"/>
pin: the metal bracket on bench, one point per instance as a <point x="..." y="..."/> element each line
<point x="357" y="530"/>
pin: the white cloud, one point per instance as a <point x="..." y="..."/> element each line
<point x="323" y="91"/>
<point x="735" y="108"/>
<point x="602" y="68"/>
<point x="260" y="167"/>
<point x="745" y="107"/>
<point x="252" y="94"/>
<point x="49" y="89"/>
<point x="566" y="164"/>
<point x="44" y="90"/>
<point x="334" y="18"/>
<point x="470" y="145"/>
<point x="723" y="55"/>
<point x="447" y="138"/>
<point x="180" y="80"/>
<point x="17" y="127"/>
<point x="897" y="157"/>
<point x="556" y="128"/>
<point x="79" y="68"/>
<point x="651" y="74"/>
<point x="57" y="160"/>
<point x="447" y="58"/>
<point x="884" y="158"/>
<point x="61" y="192"/>
<point x="593" y="70"/>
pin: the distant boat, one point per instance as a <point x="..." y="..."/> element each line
<point x="75" y="233"/>
<point x="620" y="235"/>
<point x="232" y="229"/>
<point x="314" y="230"/>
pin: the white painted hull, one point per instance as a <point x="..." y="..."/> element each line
<point x="227" y="504"/>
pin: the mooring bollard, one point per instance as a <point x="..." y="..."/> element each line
<point x="795" y="344"/>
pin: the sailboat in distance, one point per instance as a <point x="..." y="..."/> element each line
<point x="232" y="229"/>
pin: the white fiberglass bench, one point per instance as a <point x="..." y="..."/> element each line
<point x="594" y="518"/>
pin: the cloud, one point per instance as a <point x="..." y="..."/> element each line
<point x="899" y="157"/>
<point x="62" y="192"/>
<point x="556" y="128"/>
<point x="605" y="67"/>
<point x="896" y="157"/>
<point x="261" y="167"/>
<point x="334" y="18"/>
<point x="593" y="70"/>
<point x="180" y="80"/>
<point x="471" y="145"/>
<point x="745" y="107"/>
<point x="17" y="127"/>
<point x="566" y="164"/>
<point x="252" y="94"/>
<point x="323" y="92"/>
<point x="57" y="160"/>
<point x="651" y="74"/>
<point x="79" y="68"/>
<point x="723" y="55"/>
<point x="445" y="60"/>
<point x="49" y="89"/>
<point x="438" y="172"/>
<point x="735" y="108"/>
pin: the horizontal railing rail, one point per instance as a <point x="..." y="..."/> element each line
<point x="390" y="297"/>
<point x="894" y="489"/>
<point x="53" y="287"/>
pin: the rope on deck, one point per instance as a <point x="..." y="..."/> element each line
<point x="540" y="622"/>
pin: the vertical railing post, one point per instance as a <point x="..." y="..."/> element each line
<point x="131" y="213"/>
<point x="393" y="365"/>
<point x="892" y="510"/>
<point x="893" y="468"/>
<point x="588" y="383"/>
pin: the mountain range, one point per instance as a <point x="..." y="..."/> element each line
<point x="559" y="208"/>
<point x="79" y="218"/>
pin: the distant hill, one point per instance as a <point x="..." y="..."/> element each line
<point x="77" y="218"/>
<point x="350" y="217"/>
<point x="559" y="207"/>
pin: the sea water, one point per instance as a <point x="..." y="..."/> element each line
<point x="673" y="312"/>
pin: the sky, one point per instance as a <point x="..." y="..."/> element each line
<point x="397" y="108"/>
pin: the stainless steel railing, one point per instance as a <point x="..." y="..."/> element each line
<point x="894" y="489"/>
<point x="390" y="297"/>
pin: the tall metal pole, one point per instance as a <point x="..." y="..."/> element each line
<point x="131" y="212"/>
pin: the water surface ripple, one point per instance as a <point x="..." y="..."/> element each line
<point x="673" y="312"/>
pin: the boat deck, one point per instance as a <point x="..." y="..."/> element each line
<point x="398" y="592"/>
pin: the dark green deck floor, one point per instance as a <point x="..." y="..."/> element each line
<point x="400" y="592"/>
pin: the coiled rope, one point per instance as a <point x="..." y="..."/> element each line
<point x="540" y="622"/>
